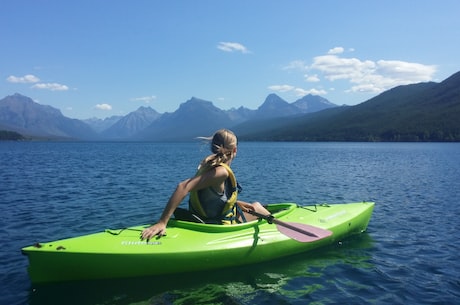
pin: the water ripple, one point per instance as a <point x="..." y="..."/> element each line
<point x="409" y="255"/>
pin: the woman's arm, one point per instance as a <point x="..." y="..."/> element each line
<point x="213" y="177"/>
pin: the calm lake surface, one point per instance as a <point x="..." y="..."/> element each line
<point x="409" y="255"/>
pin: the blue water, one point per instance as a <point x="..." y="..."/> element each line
<point x="409" y="255"/>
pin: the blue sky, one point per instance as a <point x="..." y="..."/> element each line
<point x="105" y="57"/>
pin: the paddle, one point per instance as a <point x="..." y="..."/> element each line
<point x="297" y="231"/>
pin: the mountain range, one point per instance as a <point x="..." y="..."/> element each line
<point x="21" y="114"/>
<point x="419" y="112"/>
<point x="195" y="117"/>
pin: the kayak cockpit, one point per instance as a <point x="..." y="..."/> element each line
<point x="185" y="219"/>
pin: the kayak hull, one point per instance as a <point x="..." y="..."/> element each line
<point x="189" y="247"/>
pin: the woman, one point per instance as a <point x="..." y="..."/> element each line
<point x="213" y="191"/>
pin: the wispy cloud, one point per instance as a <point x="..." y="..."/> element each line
<point x="296" y="65"/>
<point x="297" y="91"/>
<point x="281" y="88"/>
<point x="232" y="47"/>
<point x="103" y="107"/>
<point x="29" y="78"/>
<point x="312" y="78"/>
<point x="32" y="79"/>
<point x="144" y="99"/>
<point x="51" y="86"/>
<point x="302" y="92"/>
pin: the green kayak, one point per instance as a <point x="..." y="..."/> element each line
<point x="190" y="246"/>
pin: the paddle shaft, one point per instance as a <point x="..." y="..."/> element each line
<point x="272" y="219"/>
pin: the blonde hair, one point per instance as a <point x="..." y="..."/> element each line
<point x="223" y="147"/>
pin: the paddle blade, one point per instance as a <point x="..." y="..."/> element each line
<point x="302" y="232"/>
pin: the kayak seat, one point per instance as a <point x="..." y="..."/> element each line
<point x="186" y="215"/>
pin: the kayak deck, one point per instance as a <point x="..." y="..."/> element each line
<point x="190" y="246"/>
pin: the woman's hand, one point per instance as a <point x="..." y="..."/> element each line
<point x="246" y="207"/>
<point x="158" y="229"/>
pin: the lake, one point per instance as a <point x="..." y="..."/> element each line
<point x="409" y="255"/>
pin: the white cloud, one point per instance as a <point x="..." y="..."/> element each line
<point x="371" y="76"/>
<point x="405" y="71"/>
<point x="144" y="99"/>
<point x="297" y="91"/>
<point x="103" y="107"/>
<point x="29" y="78"/>
<point x="336" y="50"/>
<point x="51" y="86"/>
<point x="363" y="75"/>
<point x="312" y="78"/>
<point x="296" y="65"/>
<point x="302" y="92"/>
<point x="232" y="47"/>
<point x="334" y="67"/>
<point x="281" y="88"/>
